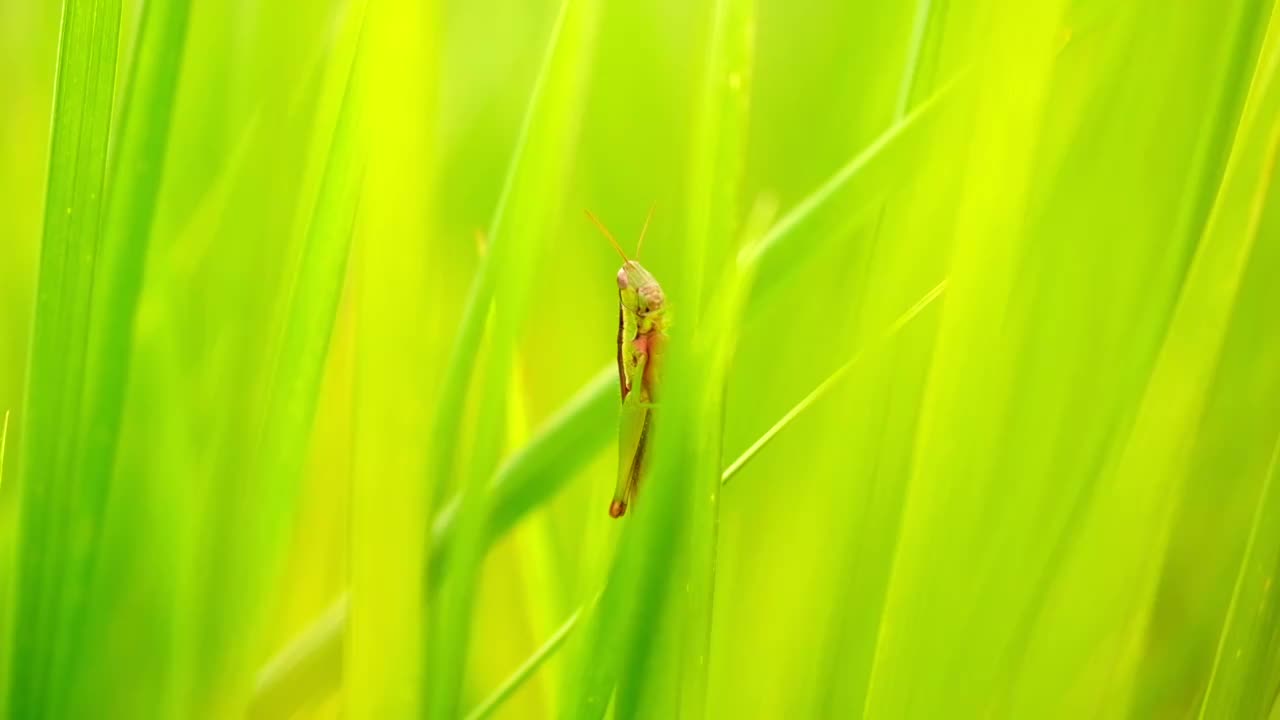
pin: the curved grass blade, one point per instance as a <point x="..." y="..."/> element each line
<point x="1248" y="654"/>
<point x="584" y="426"/>
<point x="50" y="511"/>
<point x="526" y="669"/>
<point x="314" y="660"/>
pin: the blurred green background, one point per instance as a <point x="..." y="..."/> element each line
<point x="306" y="350"/>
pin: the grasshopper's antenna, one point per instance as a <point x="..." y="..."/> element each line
<point x="608" y="234"/>
<point x="644" y="230"/>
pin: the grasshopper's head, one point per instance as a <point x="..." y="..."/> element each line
<point x="638" y="289"/>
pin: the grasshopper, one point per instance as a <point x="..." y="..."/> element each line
<point x="642" y="323"/>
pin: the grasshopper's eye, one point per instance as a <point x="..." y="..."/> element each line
<point x="652" y="296"/>
<point x="622" y="279"/>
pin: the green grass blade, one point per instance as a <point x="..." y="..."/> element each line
<point x="309" y="322"/>
<point x="831" y="381"/>
<point x="138" y="168"/>
<point x="721" y="325"/>
<point x="719" y="137"/>
<point x="50" y="508"/>
<point x="523" y="219"/>
<point x="1248" y="656"/>
<point x="526" y="670"/>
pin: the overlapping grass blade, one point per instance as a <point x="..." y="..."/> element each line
<point x="51" y="513"/>
<point x="522" y="219"/>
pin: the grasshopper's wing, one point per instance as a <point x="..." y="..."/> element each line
<point x="633" y="437"/>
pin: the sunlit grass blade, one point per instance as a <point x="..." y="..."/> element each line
<point x="1247" y="659"/>
<point x="51" y="515"/>
<point x="831" y="381"/>
<point x="522" y="220"/>
<point x="397" y="265"/>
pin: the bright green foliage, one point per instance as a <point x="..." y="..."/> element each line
<point x="969" y="406"/>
